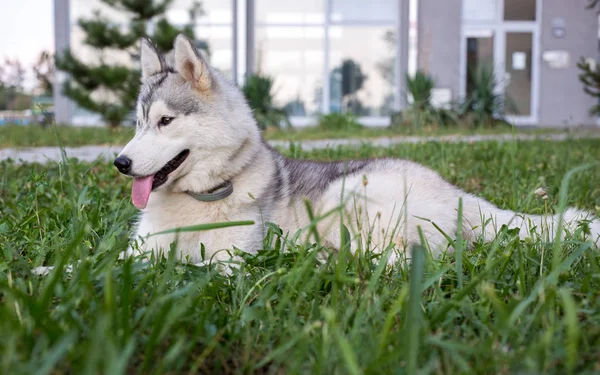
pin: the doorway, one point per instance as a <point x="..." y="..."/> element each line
<point x="507" y="43"/>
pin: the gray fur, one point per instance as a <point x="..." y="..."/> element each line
<point x="310" y="179"/>
<point x="160" y="86"/>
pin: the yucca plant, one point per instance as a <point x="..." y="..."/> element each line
<point x="420" y="87"/>
<point x="422" y="113"/>
<point x="483" y="102"/>
<point x="258" y="92"/>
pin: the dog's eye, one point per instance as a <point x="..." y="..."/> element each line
<point x="165" y="120"/>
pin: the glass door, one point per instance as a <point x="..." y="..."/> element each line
<point x="519" y="74"/>
<point x="479" y="55"/>
<point x="503" y="36"/>
<point x="509" y="53"/>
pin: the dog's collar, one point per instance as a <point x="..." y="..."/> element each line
<point x="222" y="191"/>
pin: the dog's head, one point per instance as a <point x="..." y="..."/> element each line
<point x="190" y="123"/>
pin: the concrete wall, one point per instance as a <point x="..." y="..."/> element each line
<point x="562" y="100"/>
<point x="439" y="42"/>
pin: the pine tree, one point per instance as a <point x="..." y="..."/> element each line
<point x="590" y="74"/>
<point x="590" y="77"/>
<point x="118" y="84"/>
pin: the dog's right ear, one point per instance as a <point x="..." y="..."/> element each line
<point x="191" y="65"/>
<point x="151" y="59"/>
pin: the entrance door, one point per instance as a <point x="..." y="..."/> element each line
<point x="479" y="55"/>
<point x="502" y="36"/>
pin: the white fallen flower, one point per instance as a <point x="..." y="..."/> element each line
<point x="541" y="193"/>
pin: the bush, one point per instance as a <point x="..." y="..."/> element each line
<point x="420" y="87"/>
<point x="258" y="92"/>
<point x="338" y="121"/>
<point x="590" y="78"/>
<point x="484" y="107"/>
<point x="421" y="113"/>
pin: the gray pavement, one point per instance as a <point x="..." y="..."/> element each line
<point x="91" y="153"/>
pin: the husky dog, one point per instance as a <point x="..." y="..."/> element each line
<point x="198" y="157"/>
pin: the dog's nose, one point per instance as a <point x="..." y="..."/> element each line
<point x="123" y="164"/>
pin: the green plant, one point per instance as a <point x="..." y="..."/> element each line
<point x="592" y="3"/>
<point x="421" y="113"/>
<point x="510" y="306"/>
<point x="258" y="90"/>
<point x="590" y="78"/>
<point x="484" y="106"/>
<point x="348" y="79"/>
<point x="420" y="87"/>
<point x="111" y="89"/>
<point x="12" y="92"/>
<point x="590" y="74"/>
<point x="345" y="122"/>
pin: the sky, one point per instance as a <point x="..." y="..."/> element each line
<point x="26" y="29"/>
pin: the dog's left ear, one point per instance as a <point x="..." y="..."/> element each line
<point x="191" y="65"/>
<point x="151" y="60"/>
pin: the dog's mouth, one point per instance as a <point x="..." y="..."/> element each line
<point x="163" y="175"/>
<point x="143" y="186"/>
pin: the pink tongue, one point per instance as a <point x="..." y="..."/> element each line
<point x="140" y="191"/>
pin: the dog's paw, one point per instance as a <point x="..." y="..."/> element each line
<point x="129" y="253"/>
<point x="44" y="271"/>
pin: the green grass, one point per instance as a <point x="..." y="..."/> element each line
<point x="32" y="136"/>
<point x="509" y="306"/>
<point x="35" y="136"/>
<point x="303" y="134"/>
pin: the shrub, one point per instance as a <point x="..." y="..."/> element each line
<point x="258" y="92"/>
<point x="420" y="87"/>
<point x="421" y="113"/>
<point x="590" y="78"/>
<point x="338" y="121"/>
<point x="484" y="107"/>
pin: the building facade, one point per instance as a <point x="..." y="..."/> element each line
<point x="352" y="55"/>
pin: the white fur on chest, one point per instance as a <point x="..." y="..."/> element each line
<point x="170" y="211"/>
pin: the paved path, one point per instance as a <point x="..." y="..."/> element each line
<point x="91" y="153"/>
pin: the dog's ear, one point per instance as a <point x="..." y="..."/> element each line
<point x="151" y="59"/>
<point x="191" y="65"/>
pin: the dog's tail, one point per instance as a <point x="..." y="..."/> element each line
<point x="483" y="218"/>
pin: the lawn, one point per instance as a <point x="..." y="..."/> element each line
<point x="36" y="136"/>
<point x="32" y="136"/>
<point x="509" y="306"/>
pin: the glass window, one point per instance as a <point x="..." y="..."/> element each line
<point x="219" y="41"/>
<point x="293" y="57"/>
<point x="362" y="79"/>
<point x="285" y="12"/>
<point x="480" y="55"/>
<point x="213" y="11"/>
<point x="480" y="10"/>
<point x="360" y="10"/>
<point x="213" y="28"/>
<point x="519" y="73"/>
<point x="519" y="10"/>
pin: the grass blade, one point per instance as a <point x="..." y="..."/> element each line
<point x="204" y="227"/>
<point x="414" y="319"/>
